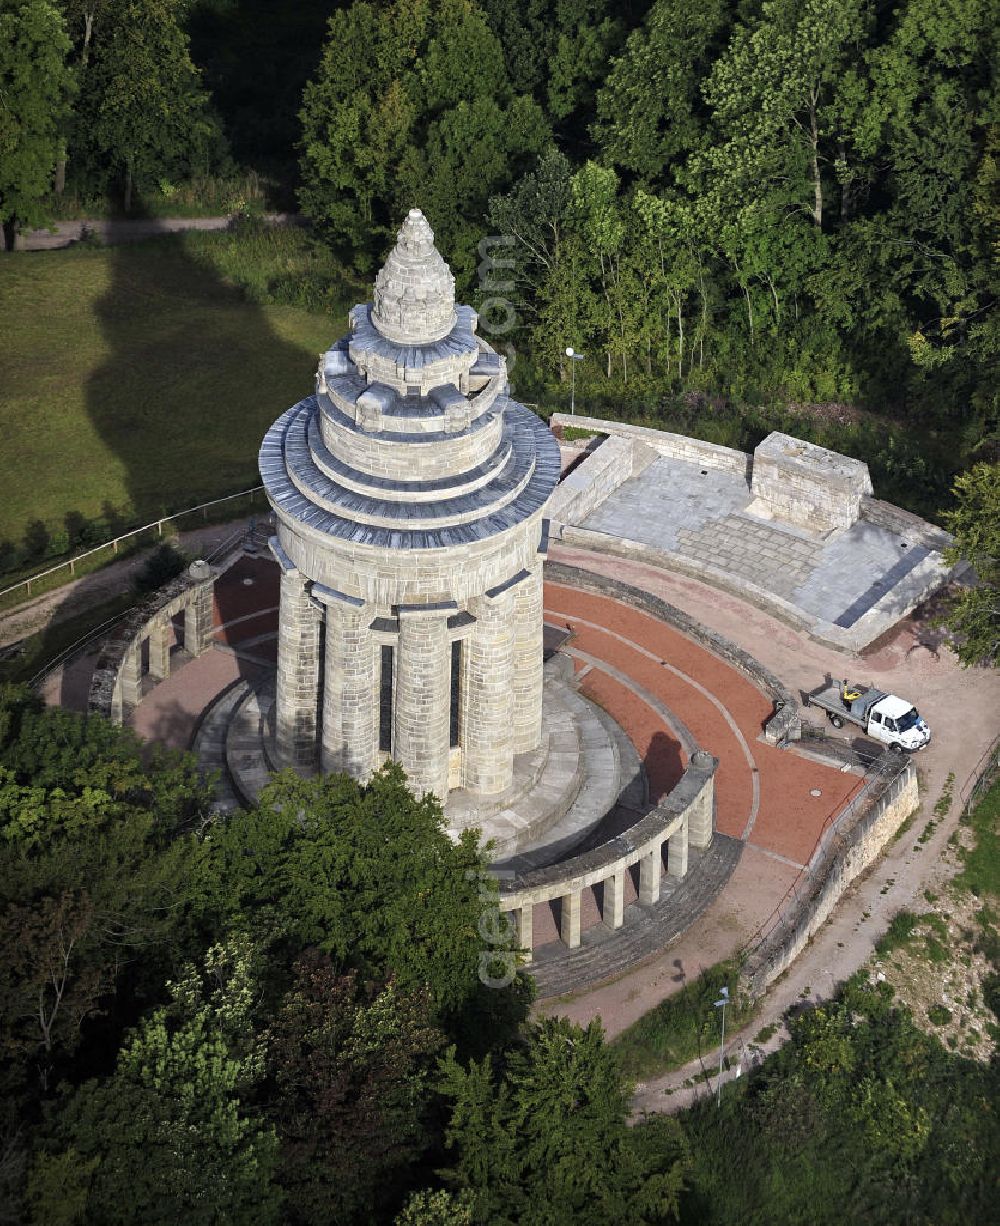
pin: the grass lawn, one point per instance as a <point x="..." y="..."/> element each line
<point x="138" y="378"/>
<point x="683" y="1026"/>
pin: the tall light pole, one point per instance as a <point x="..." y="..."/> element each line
<point x="574" y="357"/>
<point x="721" y="1004"/>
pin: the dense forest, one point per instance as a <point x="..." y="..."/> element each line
<point x="774" y="203"/>
<point x="309" y="1013"/>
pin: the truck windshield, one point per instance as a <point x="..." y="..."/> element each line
<point x="908" y="721"/>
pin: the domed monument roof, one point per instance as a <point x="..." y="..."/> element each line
<point x="415" y="290"/>
<point x="412" y="441"/>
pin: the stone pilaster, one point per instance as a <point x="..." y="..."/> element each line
<point x="297" y="697"/>
<point x="650" y="869"/>
<point x="613" y="910"/>
<point x="350" y="691"/>
<point x="161" y="636"/>
<point x="131" y="679"/>
<point x="701" y="813"/>
<point x="524" y="918"/>
<point x="569" y="919"/>
<point x="198" y="621"/>
<point x="422" y="698"/>
<point x="485" y="730"/>
<point x="527" y="675"/>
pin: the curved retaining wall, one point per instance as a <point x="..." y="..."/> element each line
<point x="686" y="815"/>
<point x="117" y="683"/>
<point x="843" y="856"/>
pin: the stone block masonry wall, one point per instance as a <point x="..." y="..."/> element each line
<point x="422" y="698"/>
<point x="297" y="702"/>
<point x="832" y="870"/>
<point x="894" y="519"/>
<point x="662" y="443"/>
<point x="581" y="492"/>
<point x="807" y="485"/>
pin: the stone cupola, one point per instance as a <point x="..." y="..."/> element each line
<point x="415" y="291"/>
<point x="409" y="494"/>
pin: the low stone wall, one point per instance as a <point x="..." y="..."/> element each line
<point x="583" y="490"/>
<point x="842" y="856"/>
<point x="686" y="815"/>
<point x="904" y="523"/>
<point x="676" y="446"/>
<point x="116" y="685"/>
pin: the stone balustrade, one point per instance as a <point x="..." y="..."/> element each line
<point x="686" y="816"/>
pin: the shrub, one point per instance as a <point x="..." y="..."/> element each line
<point x="165" y="563"/>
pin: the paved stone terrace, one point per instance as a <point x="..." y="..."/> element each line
<point x="700" y="513"/>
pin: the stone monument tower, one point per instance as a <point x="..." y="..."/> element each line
<point x="409" y="493"/>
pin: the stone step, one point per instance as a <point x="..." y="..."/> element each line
<point x="605" y="954"/>
<point x="209" y="745"/>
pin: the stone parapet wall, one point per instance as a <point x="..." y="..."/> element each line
<point x="849" y="849"/>
<point x="895" y="519"/>
<point x="662" y="443"/>
<point x="583" y="490"/>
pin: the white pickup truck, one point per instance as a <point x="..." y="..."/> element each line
<point x="886" y="718"/>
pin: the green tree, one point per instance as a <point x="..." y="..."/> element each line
<point x="144" y="112"/>
<point x="350" y="1076"/>
<point x="364" y="873"/>
<point x="650" y="113"/>
<point x="411" y="105"/>
<point x="166" y="1138"/>
<point x="36" y="88"/>
<point x="98" y="850"/>
<point x="547" y="1140"/>
<point x="974" y="616"/>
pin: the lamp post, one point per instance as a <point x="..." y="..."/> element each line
<point x="721" y="1004"/>
<point x="574" y="357"/>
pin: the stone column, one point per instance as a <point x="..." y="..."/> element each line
<point x="423" y="683"/>
<point x="527" y="682"/>
<point x="350" y="691"/>
<point x="569" y="919"/>
<point x="131" y="679"/>
<point x="677" y="851"/>
<point x="485" y="731"/>
<point x="650" y="867"/>
<point x="613" y="911"/>
<point x="701" y="812"/>
<point x="297" y="695"/>
<point x="198" y="622"/>
<point x="160" y="636"/>
<point x="524" y="917"/>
